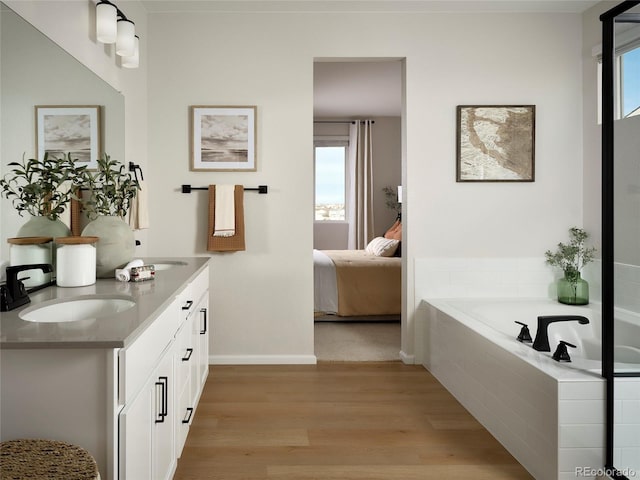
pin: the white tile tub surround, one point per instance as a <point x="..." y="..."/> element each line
<point x="626" y="452"/>
<point x="550" y="417"/>
<point x="483" y="277"/>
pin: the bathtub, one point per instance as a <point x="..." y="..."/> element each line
<point x="550" y="416"/>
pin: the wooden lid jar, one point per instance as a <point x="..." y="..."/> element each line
<point x="76" y="261"/>
<point x="31" y="250"/>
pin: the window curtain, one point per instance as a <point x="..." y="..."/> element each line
<point x="360" y="181"/>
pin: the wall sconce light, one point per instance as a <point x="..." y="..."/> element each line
<point x="112" y="26"/>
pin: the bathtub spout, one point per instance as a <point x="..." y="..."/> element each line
<point x="541" y="342"/>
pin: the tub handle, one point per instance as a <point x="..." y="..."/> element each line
<point x="525" y="335"/>
<point x="561" y="354"/>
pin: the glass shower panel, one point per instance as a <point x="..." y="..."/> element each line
<point x="626" y="450"/>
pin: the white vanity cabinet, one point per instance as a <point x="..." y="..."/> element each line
<point x="161" y="380"/>
<point x="192" y="354"/>
<point x="119" y="385"/>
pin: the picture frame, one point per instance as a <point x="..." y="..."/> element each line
<point x="62" y="129"/>
<point x="495" y="143"/>
<point x="223" y="138"/>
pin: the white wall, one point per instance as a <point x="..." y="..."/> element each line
<point x="262" y="298"/>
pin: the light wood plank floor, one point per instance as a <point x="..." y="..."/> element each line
<point x="337" y="421"/>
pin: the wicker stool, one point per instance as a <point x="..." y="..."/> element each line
<point x="45" y="459"/>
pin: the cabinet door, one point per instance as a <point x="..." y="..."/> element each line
<point x="200" y="339"/>
<point x="204" y="320"/>
<point x="164" y="413"/>
<point x="147" y="428"/>
<point x="136" y="433"/>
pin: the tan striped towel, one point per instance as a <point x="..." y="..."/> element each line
<point x="233" y="243"/>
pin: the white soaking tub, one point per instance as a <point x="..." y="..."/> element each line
<point x="549" y="415"/>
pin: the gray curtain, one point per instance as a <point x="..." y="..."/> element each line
<point x="360" y="181"/>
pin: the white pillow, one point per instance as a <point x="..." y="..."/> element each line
<point x="382" y="247"/>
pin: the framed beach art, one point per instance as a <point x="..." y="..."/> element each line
<point x="69" y="129"/>
<point x="495" y="143"/>
<point x="223" y="138"/>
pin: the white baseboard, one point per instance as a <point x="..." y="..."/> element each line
<point x="407" y="359"/>
<point x="262" y="360"/>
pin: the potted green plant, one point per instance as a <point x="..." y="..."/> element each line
<point x="43" y="189"/>
<point x="392" y="201"/>
<point x="571" y="258"/>
<point x="110" y="192"/>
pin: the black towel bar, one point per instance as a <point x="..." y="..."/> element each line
<point x="259" y="189"/>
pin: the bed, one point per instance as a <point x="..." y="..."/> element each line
<point x="355" y="283"/>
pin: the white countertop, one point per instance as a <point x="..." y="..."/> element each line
<point x="152" y="297"/>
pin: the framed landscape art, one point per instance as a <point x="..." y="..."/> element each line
<point x="69" y="129"/>
<point x="223" y="138"/>
<point x="495" y="143"/>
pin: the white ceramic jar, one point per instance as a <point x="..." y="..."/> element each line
<point x="31" y="250"/>
<point x="76" y="261"/>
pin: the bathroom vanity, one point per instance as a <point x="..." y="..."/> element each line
<point x="125" y="384"/>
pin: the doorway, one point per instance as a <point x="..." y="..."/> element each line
<point x="347" y="91"/>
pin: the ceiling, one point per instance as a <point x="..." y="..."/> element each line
<point x="363" y="88"/>
<point x="568" y="6"/>
<point x="357" y="89"/>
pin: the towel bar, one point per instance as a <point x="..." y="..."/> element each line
<point x="259" y="188"/>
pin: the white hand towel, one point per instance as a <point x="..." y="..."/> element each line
<point x="124" y="274"/>
<point x="225" y="212"/>
<point x="139" y="211"/>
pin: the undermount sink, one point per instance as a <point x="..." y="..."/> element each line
<point x="87" y="307"/>
<point x="167" y="264"/>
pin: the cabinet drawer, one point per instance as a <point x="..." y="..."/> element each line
<point x="186" y="355"/>
<point x="139" y="359"/>
<point x="185" y="409"/>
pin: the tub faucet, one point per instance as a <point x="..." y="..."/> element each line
<point x="13" y="294"/>
<point x="541" y="342"/>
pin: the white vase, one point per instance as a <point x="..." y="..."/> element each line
<point x="43" y="227"/>
<point x="115" y="247"/>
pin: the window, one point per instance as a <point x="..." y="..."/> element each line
<point x="627" y="74"/>
<point x="630" y="78"/>
<point x="330" y="158"/>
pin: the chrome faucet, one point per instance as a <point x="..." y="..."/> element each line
<point x="13" y="294"/>
<point x="541" y="342"/>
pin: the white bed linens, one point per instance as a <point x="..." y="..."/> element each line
<point x="325" y="291"/>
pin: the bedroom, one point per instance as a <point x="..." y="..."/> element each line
<point x="357" y="296"/>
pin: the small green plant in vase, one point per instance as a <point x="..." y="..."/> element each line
<point x="571" y="258"/>
<point x="43" y="189"/>
<point x="110" y="193"/>
<point x="111" y="189"/>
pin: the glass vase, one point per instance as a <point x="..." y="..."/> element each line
<point x="573" y="291"/>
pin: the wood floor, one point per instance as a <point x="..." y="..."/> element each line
<point x="337" y="421"/>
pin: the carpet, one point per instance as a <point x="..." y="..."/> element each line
<point x="357" y="341"/>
